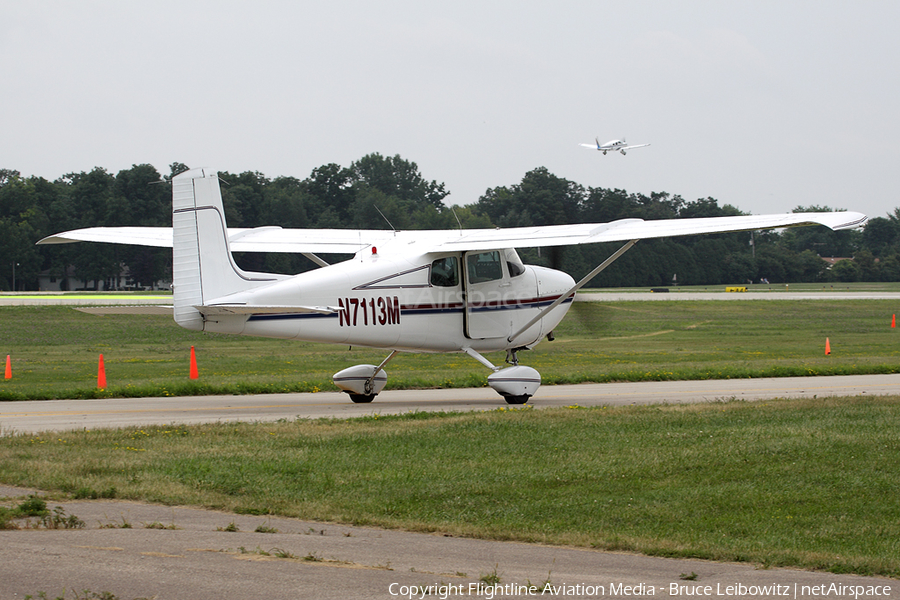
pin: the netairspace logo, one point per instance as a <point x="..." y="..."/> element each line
<point x="796" y="591"/>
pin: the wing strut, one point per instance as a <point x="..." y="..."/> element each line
<point x="574" y="289"/>
<point x="315" y="259"/>
<point x="371" y="380"/>
<point x="481" y="359"/>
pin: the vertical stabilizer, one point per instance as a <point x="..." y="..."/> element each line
<point x="202" y="266"/>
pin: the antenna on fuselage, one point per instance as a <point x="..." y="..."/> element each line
<point x="385" y="218"/>
<point x="453" y="210"/>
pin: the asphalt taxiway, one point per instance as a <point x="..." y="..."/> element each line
<point x="59" y="415"/>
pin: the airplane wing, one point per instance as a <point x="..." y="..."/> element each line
<point x="635" y="229"/>
<point x="259" y="239"/>
<point x="630" y="147"/>
<point x="350" y="241"/>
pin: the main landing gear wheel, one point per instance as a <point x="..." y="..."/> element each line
<point x="516" y="399"/>
<point x="362" y="398"/>
<point x="362" y="382"/>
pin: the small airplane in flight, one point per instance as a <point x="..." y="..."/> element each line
<point x="464" y="291"/>
<point x="612" y="146"/>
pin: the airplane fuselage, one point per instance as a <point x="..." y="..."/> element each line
<point x="613" y="146"/>
<point x="444" y="302"/>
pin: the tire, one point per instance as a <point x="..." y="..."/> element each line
<point x="362" y="398"/>
<point x="517" y="399"/>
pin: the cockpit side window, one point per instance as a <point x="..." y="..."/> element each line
<point x="484" y="266"/>
<point x="445" y="272"/>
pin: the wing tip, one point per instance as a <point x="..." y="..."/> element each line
<point x="53" y="239"/>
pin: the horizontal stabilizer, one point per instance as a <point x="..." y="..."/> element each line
<point x="160" y="237"/>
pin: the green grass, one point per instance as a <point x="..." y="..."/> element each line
<point x="35" y="506"/>
<point x="55" y="350"/>
<point x="802" y="483"/>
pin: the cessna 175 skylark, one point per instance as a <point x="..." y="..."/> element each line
<point x="612" y="146"/>
<point x="403" y="291"/>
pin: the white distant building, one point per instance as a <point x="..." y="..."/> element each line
<point x="48" y="282"/>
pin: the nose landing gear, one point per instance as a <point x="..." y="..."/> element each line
<point x="516" y="384"/>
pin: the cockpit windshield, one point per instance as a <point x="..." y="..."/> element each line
<point x="514" y="263"/>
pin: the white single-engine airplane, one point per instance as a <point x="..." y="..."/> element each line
<point x="612" y="146"/>
<point x="404" y="291"/>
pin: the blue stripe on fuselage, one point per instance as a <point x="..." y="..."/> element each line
<point x="428" y="309"/>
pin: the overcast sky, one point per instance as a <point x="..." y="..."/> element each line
<point x="762" y="105"/>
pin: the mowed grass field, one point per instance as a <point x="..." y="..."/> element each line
<point x="806" y="483"/>
<point x="55" y="350"/>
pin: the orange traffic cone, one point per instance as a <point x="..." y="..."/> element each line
<point x="101" y="375"/>
<point x="194" y="373"/>
<point x="827" y="347"/>
<point x="894" y="320"/>
<point x="8" y="368"/>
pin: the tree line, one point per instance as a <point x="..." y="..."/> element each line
<point x="382" y="192"/>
